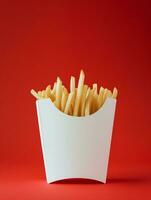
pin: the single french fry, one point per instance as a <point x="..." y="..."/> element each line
<point x="88" y="91"/>
<point x="64" y="89"/>
<point x="58" y="93"/>
<point x="54" y="89"/>
<point x="73" y="100"/>
<point x="94" y="98"/>
<point x="88" y="103"/>
<point x="64" y="97"/>
<point x="115" y="93"/>
<point x="94" y="102"/>
<point x="48" y="90"/>
<point x="101" y="90"/>
<point x="105" y="94"/>
<point x="34" y="93"/>
<point x="79" y="93"/>
<point x="95" y="87"/>
<point x="76" y="90"/>
<point x="64" y="100"/>
<point x="68" y="103"/>
<point x="83" y="99"/>
<point x="72" y="84"/>
<point x="70" y="110"/>
<point x="72" y="89"/>
<point x="100" y="97"/>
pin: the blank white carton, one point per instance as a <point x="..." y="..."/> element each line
<point x="75" y="147"/>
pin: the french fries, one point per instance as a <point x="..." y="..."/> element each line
<point x="64" y="100"/>
<point x="54" y="89"/>
<point x="83" y="99"/>
<point x="68" y="104"/>
<point x="80" y="101"/>
<point x="115" y="93"/>
<point x="48" y="91"/>
<point x="94" y="98"/>
<point x="34" y="93"/>
<point x="72" y="84"/>
<point x="58" y="93"/>
<point x="88" y="103"/>
<point x="79" y="93"/>
<point x="100" y="97"/>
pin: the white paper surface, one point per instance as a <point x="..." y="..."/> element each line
<point x="75" y="147"/>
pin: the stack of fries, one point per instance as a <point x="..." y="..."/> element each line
<point x="80" y="101"/>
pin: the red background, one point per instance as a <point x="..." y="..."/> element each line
<point x="110" y="40"/>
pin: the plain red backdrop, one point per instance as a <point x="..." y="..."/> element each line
<point x="110" y="40"/>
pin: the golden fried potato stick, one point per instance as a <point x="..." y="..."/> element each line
<point x="58" y="93"/>
<point x="71" y="109"/>
<point x="68" y="104"/>
<point x="73" y="100"/>
<point x="72" y="84"/>
<point x="88" y="91"/>
<point x="79" y="93"/>
<point x="105" y="94"/>
<point x="64" y="100"/>
<point x="54" y="89"/>
<point x="95" y="87"/>
<point x="88" y="103"/>
<point x="72" y="89"/>
<point x="94" y="99"/>
<point x="34" y="93"/>
<point x="64" y="89"/>
<point x="48" y="90"/>
<point x="50" y="93"/>
<point x="100" y="97"/>
<point x="83" y="100"/>
<point x="101" y="90"/>
<point x="115" y="93"/>
<point x="94" y="102"/>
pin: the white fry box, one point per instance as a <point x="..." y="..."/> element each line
<point x="75" y="147"/>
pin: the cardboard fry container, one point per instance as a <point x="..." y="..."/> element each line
<point x="75" y="147"/>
